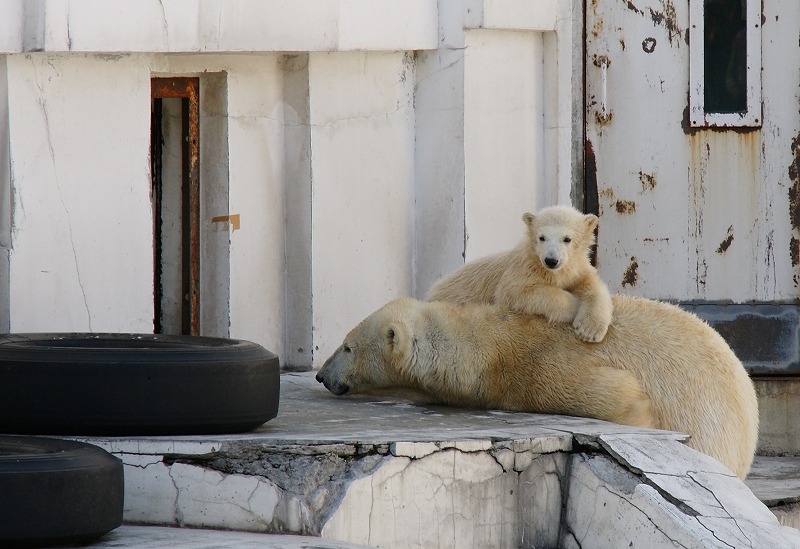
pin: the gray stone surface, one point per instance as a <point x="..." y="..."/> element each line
<point x="609" y="506"/>
<point x="775" y="480"/>
<point x="388" y="473"/>
<point x="702" y="493"/>
<point x="154" y="537"/>
<point x="778" y="408"/>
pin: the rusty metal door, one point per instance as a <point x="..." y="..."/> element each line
<point x="697" y="186"/>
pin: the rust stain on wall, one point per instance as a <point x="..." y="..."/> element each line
<point x="590" y="197"/>
<point x="590" y="179"/>
<point x="597" y="27"/>
<point x="634" y="9"/>
<point x="794" y="205"/>
<point x="669" y="18"/>
<point x="666" y="17"/>
<point x="648" y="181"/>
<point x="631" y="273"/>
<point x="725" y="244"/>
<point x="794" y="190"/>
<point x="625" y="206"/>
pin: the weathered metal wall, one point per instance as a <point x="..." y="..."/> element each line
<point x="690" y="213"/>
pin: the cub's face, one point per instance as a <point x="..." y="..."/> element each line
<point x="554" y="245"/>
<point x="558" y="234"/>
<point x="367" y="358"/>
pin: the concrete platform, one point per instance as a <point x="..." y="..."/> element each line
<point x="153" y="537"/>
<point x="776" y="482"/>
<point x="391" y="474"/>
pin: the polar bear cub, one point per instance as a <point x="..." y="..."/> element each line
<point x="548" y="274"/>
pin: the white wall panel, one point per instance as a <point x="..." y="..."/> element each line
<point x="82" y="234"/>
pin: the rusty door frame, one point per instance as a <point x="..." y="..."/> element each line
<point x="187" y="89"/>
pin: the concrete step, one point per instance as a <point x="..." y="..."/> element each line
<point x="387" y="473"/>
<point x="155" y="537"/>
<point x="776" y="482"/>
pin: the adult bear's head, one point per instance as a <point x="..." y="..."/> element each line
<point x="376" y="354"/>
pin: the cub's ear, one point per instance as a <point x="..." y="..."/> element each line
<point x="527" y="217"/>
<point x="398" y="337"/>
<point x="590" y="221"/>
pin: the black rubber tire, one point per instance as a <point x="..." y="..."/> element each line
<point x="57" y="492"/>
<point x="134" y="384"/>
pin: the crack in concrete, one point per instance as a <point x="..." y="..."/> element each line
<point x="690" y="475"/>
<point x="177" y="514"/>
<point x="138" y="466"/>
<point x="714" y="534"/>
<point x="16" y="200"/>
<point x="48" y="133"/>
<point x="165" y="25"/>
<point x="645" y="515"/>
<point x="69" y="30"/>
<point x="680" y="505"/>
<point x="442" y="69"/>
<point x="367" y="117"/>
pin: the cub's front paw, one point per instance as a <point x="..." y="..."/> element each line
<point x="589" y="328"/>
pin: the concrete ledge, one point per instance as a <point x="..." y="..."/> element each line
<point x="187" y="538"/>
<point x="387" y="473"/>
<point x="775" y="480"/>
<point x="217" y="25"/>
<point x="776" y="350"/>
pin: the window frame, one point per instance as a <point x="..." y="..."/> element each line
<point x="698" y="118"/>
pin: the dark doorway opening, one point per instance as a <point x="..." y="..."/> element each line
<point x="174" y="157"/>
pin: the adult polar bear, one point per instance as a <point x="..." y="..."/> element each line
<point x="490" y="357"/>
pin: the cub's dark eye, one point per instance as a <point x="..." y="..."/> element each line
<point x="567" y="240"/>
<point x="541" y="239"/>
<point x="346" y="349"/>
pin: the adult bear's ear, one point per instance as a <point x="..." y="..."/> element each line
<point x="590" y="222"/>
<point x="398" y="338"/>
<point x="527" y="217"/>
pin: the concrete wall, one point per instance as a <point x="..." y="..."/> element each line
<point x="5" y="198"/>
<point x="504" y="129"/>
<point x="362" y="138"/>
<point x="498" y="109"/>
<point x="82" y="236"/>
<point x="81" y="256"/>
<point x="393" y="142"/>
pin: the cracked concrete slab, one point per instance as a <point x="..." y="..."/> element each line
<point x="389" y="473"/>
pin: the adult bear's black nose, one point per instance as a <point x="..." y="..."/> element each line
<point x="334" y="386"/>
<point x="551" y="262"/>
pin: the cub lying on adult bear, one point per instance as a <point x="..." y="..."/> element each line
<point x="658" y="366"/>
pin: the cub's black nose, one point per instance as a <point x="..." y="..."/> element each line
<point x="550" y="262"/>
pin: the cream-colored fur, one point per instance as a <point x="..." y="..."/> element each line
<point x="548" y="274"/>
<point x="658" y="366"/>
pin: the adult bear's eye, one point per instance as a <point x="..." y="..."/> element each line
<point x="567" y="240"/>
<point x="345" y="348"/>
<point x="541" y="238"/>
